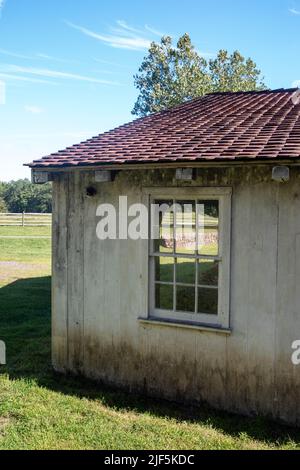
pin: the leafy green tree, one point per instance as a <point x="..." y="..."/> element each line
<point x="3" y="207"/>
<point x="172" y="75"/>
<point x="42" y="200"/>
<point x="23" y="196"/>
<point x="17" y="195"/>
<point x="3" y="187"/>
<point x="234" y="73"/>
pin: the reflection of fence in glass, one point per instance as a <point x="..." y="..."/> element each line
<point x="25" y="219"/>
<point x="2" y="353"/>
<point x="177" y="222"/>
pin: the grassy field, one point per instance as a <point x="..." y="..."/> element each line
<point x="25" y="231"/>
<point x="42" y="410"/>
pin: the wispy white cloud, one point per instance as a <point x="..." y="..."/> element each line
<point x="296" y="84"/>
<point x="129" y="28"/>
<point x="112" y="64"/>
<point x="294" y="11"/>
<point x="124" y="36"/>
<point x="33" y="109"/>
<point x="122" y="39"/>
<point x="43" y="56"/>
<point x="37" y="56"/>
<point x="206" y="55"/>
<point x="15" y="54"/>
<point x="47" y="73"/>
<point x="8" y="76"/>
<point x="106" y="62"/>
<point x="155" y="31"/>
<point x="40" y="55"/>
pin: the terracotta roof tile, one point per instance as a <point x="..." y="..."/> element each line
<point x="220" y="127"/>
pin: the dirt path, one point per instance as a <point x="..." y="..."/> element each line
<point x="13" y="270"/>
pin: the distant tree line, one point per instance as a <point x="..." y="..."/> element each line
<point x="23" y="196"/>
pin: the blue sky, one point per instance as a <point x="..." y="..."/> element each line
<point x="68" y="65"/>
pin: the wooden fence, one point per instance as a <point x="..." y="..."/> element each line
<point x="25" y="219"/>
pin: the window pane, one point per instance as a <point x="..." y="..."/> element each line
<point x="163" y="226"/>
<point x="185" y="299"/>
<point x="208" y="230"/>
<point x="185" y="270"/>
<point x="163" y="297"/>
<point x="164" y="269"/>
<point x="208" y="242"/>
<point x="208" y="301"/>
<point x="208" y="272"/>
<point x="185" y="233"/>
<point x="211" y="211"/>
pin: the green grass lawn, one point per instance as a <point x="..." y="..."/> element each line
<point x="25" y="231"/>
<point x="42" y="410"/>
<point x="20" y="244"/>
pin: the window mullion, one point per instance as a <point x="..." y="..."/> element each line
<point x="174" y="284"/>
<point x="187" y="255"/>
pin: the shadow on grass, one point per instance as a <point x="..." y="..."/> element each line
<point x="25" y="328"/>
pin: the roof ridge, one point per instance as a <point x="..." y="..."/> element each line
<point x="215" y="93"/>
<point x="250" y="92"/>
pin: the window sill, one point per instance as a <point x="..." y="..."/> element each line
<point x="188" y="325"/>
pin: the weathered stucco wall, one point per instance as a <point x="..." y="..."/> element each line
<point x="100" y="289"/>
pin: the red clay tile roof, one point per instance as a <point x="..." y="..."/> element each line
<point x="220" y="127"/>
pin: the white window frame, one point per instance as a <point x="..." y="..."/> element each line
<point x="223" y="195"/>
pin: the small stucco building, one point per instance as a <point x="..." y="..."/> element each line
<point x="211" y="314"/>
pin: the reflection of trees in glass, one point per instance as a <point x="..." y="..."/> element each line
<point x="208" y="273"/>
<point x="212" y="209"/>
